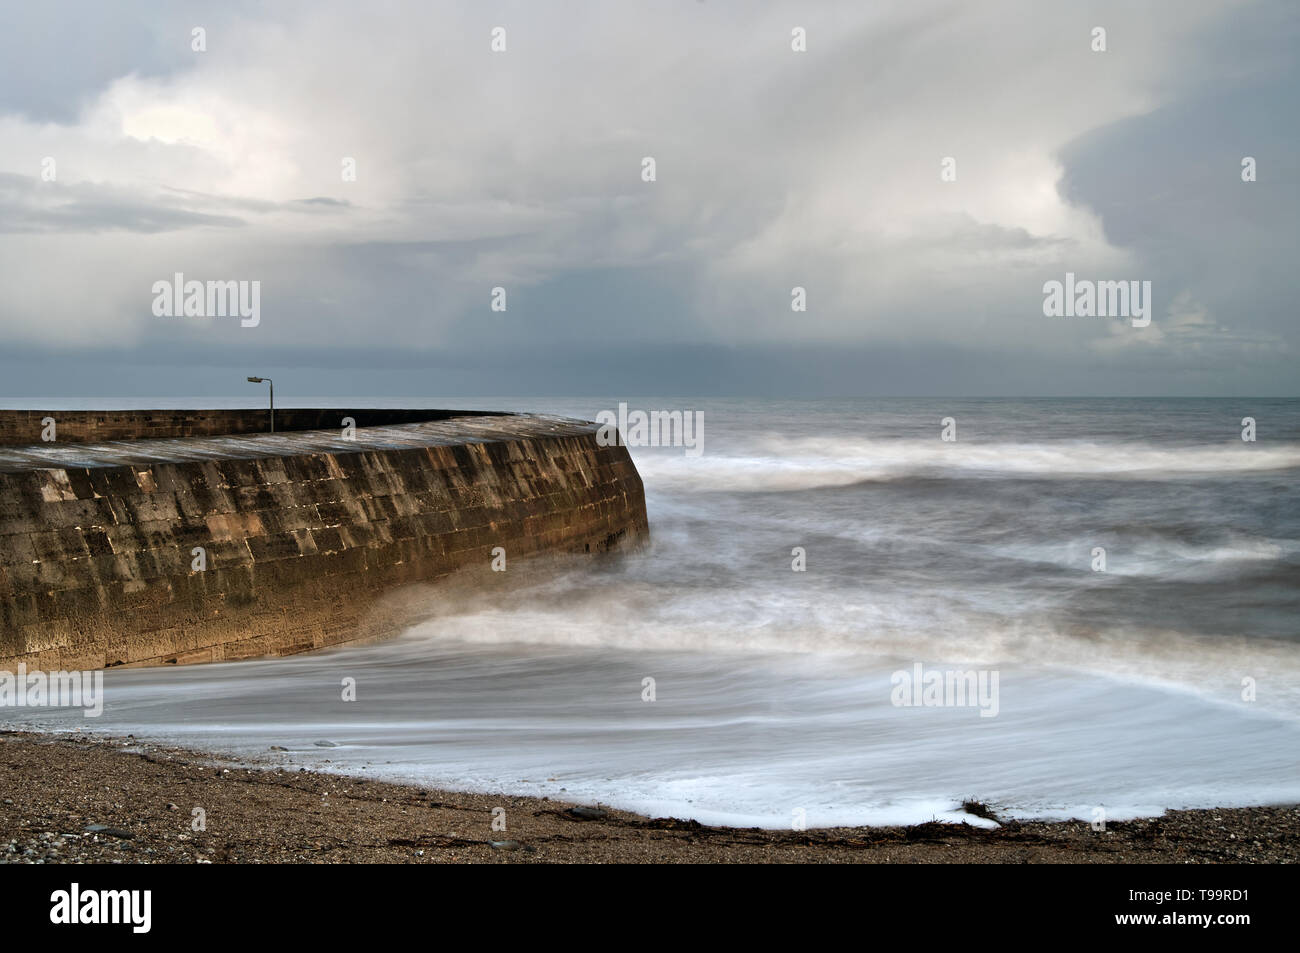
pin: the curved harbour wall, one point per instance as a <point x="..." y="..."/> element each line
<point x="154" y="537"/>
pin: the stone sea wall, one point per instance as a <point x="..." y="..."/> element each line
<point x="303" y="534"/>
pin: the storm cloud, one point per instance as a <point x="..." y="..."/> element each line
<point x="381" y="169"/>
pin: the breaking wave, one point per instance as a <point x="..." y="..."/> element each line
<point x="787" y="464"/>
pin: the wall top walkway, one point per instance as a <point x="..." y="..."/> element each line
<point x="442" y="430"/>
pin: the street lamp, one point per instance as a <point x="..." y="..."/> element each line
<point x="258" y="380"/>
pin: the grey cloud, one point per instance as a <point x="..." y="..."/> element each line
<point x="775" y="169"/>
<point x="323" y="200"/>
<point x="29" y="205"/>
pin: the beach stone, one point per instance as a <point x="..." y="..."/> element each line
<point x="109" y="831"/>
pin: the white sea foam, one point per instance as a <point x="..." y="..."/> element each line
<point x="783" y="464"/>
<point x="743" y="740"/>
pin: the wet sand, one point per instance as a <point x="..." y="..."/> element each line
<point x="80" y="800"/>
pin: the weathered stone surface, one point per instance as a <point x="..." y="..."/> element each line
<point x="304" y="531"/>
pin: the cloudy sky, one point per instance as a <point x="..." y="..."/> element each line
<point x="775" y="168"/>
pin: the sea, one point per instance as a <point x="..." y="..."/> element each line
<point x="1114" y="582"/>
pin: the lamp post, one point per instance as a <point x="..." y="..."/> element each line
<point x="258" y="380"/>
